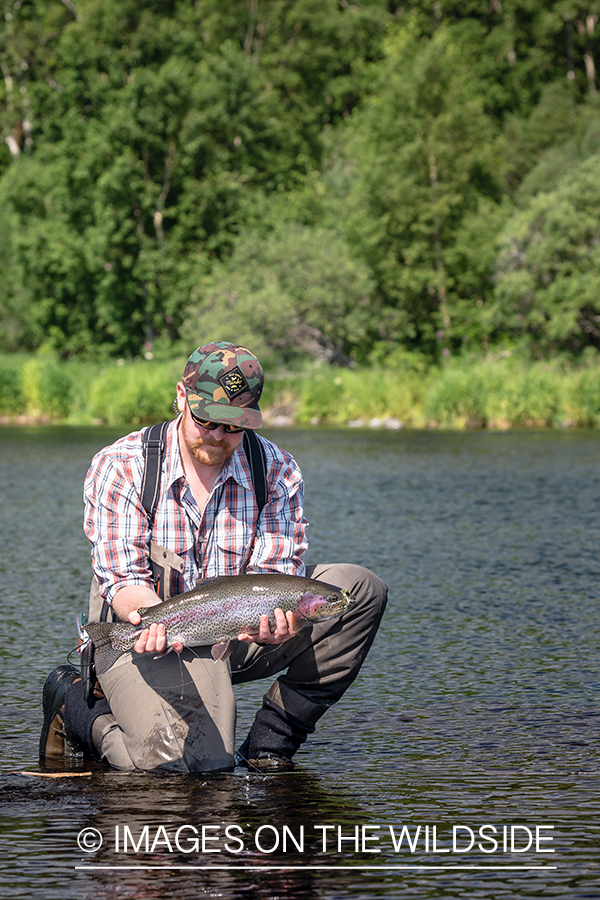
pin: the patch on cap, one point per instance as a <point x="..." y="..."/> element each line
<point x="233" y="383"/>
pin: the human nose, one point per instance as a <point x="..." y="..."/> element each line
<point x="218" y="432"/>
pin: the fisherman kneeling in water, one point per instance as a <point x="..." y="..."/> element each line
<point x="207" y="518"/>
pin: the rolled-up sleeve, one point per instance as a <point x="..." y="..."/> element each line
<point x="280" y="542"/>
<point x="116" y="525"/>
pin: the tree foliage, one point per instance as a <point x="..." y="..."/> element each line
<point x="342" y="178"/>
<point x="421" y="153"/>
<point x="296" y="294"/>
<point x="548" y="269"/>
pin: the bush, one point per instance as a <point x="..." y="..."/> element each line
<point x="498" y="394"/>
<point x="342" y="395"/>
<point x="11" y="398"/>
<point x="585" y="405"/>
<point x="46" y="387"/>
<point x="133" y="394"/>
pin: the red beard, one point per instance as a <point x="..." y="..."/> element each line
<point x="206" y="450"/>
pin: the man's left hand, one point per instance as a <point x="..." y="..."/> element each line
<point x="286" y="626"/>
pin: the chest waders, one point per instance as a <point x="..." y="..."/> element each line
<point x="162" y="560"/>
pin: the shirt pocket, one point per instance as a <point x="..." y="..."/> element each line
<point x="233" y="550"/>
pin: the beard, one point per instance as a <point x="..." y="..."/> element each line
<point x="207" y="450"/>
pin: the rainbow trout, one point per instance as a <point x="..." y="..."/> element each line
<point x="218" y="609"/>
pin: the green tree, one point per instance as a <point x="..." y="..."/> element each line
<point x="138" y="166"/>
<point x="292" y="295"/>
<point x="143" y="142"/>
<point x="523" y="46"/>
<point x="548" y="269"/>
<point x="153" y="130"/>
<point x="420" y="154"/>
<point x="29" y="32"/>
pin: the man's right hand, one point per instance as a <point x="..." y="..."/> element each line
<point x="126" y="603"/>
<point x="153" y="639"/>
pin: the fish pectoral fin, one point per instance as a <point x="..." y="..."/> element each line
<point x="164" y="653"/>
<point x="221" y="650"/>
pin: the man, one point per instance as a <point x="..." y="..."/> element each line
<point x="177" y="711"/>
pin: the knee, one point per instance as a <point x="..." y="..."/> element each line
<point x="368" y="588"/>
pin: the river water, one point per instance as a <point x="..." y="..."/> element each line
<point x="477" y="707"/>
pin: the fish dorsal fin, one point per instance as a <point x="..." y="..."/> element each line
<point x="203" y="583"/>
<point x="200" y="582"/>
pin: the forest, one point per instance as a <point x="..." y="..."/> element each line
<point x="349" y="184"/>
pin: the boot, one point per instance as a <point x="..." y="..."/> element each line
<point x="79" y="717"/>
<point x="273" y="739"/>
<point x="53" y="739"/>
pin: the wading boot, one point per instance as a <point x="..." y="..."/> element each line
<point x="53" y="740"/>
<point x="273" y="739"/>
<point x="80" y="716"/>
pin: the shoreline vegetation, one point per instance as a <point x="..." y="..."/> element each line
<point x="500" y="391"/>
<point x="397" y="204"/>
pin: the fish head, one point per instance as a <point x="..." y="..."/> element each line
<point x="321" y="606"/>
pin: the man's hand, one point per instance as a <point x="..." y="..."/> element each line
<point x="286" y="627"/>
<point x="153" y="639"/>
<point x="126" y="603"/>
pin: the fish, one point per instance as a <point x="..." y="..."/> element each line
<point x="218" y="609"/>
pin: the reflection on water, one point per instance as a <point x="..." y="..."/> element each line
<point x="477" y="705"/>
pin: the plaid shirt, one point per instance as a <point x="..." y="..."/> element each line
<point x="218" y="541"/>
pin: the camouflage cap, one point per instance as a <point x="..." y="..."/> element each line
<point x="223" y="383"/>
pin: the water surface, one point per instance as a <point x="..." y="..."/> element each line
<point x="478" y="704"/>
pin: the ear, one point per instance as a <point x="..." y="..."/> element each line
<point x="181" y="397"/>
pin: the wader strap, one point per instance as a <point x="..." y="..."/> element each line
<point x="153" y="446"/>
<point x="255" y="454"/>
<point x="106" y="611"/>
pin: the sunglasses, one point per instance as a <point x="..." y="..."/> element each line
<point x="210" y="426"/>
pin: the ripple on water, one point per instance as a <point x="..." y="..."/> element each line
<point x="477" y="703"/>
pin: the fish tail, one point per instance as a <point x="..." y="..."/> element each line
<point x="105" y="655"/>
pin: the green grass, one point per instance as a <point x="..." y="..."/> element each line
<point x="11" y="400"/>
<point x="483" y="393"/>
<point x="340" y="396"/>
<point x="133" y="394"/>
<point x="505" y="394"/>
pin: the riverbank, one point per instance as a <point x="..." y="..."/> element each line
<point x="496" y="392"/>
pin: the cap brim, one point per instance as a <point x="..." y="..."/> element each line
<point x="242" y="416"/>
